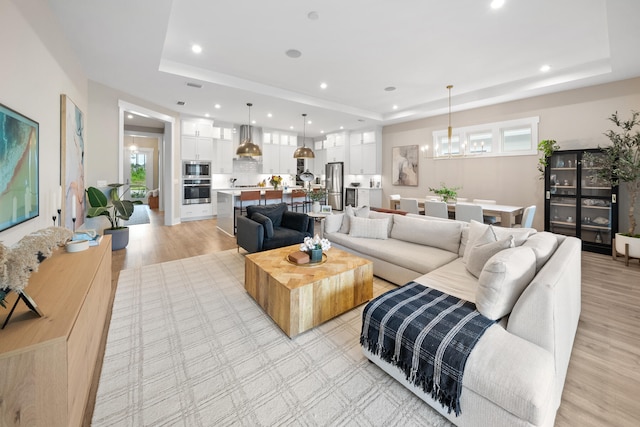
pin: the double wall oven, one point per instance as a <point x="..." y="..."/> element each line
<point x="196" y="182"/>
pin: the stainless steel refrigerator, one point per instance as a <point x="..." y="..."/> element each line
<point x="335" y="185"/>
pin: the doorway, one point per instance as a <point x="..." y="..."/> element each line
<point x="140" y="159"/>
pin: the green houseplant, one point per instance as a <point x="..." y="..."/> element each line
<point x="620" y="162"/>
<point x="119" y="209"/>
<point x="547" y="147"/>
<point x="316" y="196"/>
<point x="446" y="193"/>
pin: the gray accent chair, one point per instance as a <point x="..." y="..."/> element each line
<point x="272" y="226"/>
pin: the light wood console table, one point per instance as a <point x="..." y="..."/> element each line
<point x="47" y="363"/>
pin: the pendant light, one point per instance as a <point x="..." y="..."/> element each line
<point x="246" y="147"/>
<point x="449" y="129"/>
<point x="304" y="152"/>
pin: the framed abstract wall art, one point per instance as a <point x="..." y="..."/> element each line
<point x="72" y="159"/>
<point x="404" y="168"/>
<point x="19" y="168"/>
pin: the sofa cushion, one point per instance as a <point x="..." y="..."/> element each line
<point x="412" y="256"/>
<point x="332" y="223"/>
<point x="295" y="221"/>
<point x="453" y="279"/>
<point x="477" y="229"/>
<point x="274" y="212"/>
<point x="544" y="244"/>
<point x="266" y="224"/>
<point x="284" y="237"/>
<point x="369" y="228"/>
<point x="480" y="254"/>
<point x="503" y="279"/>
<point x="350" y="211"/>
<point x="381" y="215"/>
<point x="439" y="234"/>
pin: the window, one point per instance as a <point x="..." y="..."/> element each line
<point x="510" y="138"/>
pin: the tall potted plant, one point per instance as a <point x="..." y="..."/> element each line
<point x="620" y="162"/>
<point x="117" y="210"/>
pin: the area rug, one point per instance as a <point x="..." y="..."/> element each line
<point x="140" y="216"/>
<point x="187" y="346"/>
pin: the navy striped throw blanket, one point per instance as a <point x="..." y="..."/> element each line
<point x="427" y="334"/>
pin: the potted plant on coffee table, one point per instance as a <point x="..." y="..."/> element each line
<point x="117" y="210"/>
<point x="620" y="162"/>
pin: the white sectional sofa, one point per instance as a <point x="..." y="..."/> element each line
<point x="515" y="375"/>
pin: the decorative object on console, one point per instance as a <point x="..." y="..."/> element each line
<point x="20" y="164"/>
<point x="620" y="162"/>
<point x="315" y="246"/>
<point x="247" y="148"/>
<point x="316" y="196"/>
<point x="119" y="209"/>
<point x="18" y="262"/>
<point x="404" y="166"/>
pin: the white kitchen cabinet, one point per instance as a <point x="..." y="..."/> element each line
<point x="195" y="212"/>
<point x="277" y="153"/>
<point x="203" y="128"/>
<point x="369" y="197"/>
<point x="223" y="159"/>
<point x="335" y="147"/>
<point x="288" y="165"/>
<point x="364" y="149"/>
<point x="270" y="159"/>
<point x="197" y="148"/>
<point x="222" y="133"/>
<point x="318" y="163"/>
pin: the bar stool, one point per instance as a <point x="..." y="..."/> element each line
<point x="298" y="194"/>
<point x="245" y="196"/>
<point x="272" y="195"/>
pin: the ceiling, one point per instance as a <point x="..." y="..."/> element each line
<point x="357" y="47"/>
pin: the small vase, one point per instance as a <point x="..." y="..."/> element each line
<point x="316" y="207"/>
<point x="275" y="187"/>
<point x="315" y="255"/>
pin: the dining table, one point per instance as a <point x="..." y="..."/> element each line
<point x="509" y="215"/>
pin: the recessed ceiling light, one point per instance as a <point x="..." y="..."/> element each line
<point x="309" y="122"/>
<point x="253" y="122"/>
<point x="390" y="88"/>
<point x="323" y="85"/>
<point x="395" y="107"/>
<point x="291" y="127"/>
<point x="217" y="106"/>
<point x="545" y="68"/>
<point x="269" y="115"/>
<point x="129" y="116"/>
<point x="293" y="53"/>
<point x="321" y="131"/>
<point x="196" y="48"/>
<point x="313" y="15"/>
<point x="497" y="4"/>
<point x="341" y="127"/>
<point x="207" y="115"/>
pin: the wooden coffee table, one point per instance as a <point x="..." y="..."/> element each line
<point x="299" y="298"/>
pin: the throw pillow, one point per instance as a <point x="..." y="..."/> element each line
<point x="350" y="211"/>
<point x="266" y="224"/>
<point x="476" y="229"/>
<point x="369" y="228"/>
<point x="440" y="234"/>
<point x="544" y="244"/>
<point x="332" y="223"/>
<point x="382" y="215"/>
<point x="274" y="212"/>
<point x="503" y="279"/>
<point x="480" y="254"/>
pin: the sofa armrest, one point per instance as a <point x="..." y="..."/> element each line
<point x="266" y="224"/>
<point x="296" y="221"/>
<point x="250" y="234"/>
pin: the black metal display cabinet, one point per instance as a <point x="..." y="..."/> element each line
<point x="578" y="203"/>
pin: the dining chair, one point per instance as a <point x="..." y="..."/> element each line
<point x="527" y="217"/>
<point x="487" y="219"/>
<point x="394" y="199"/>
<point x="245" y="198"/>
<point x="272" y="195"/>
<point x="296" y="195"/>
<point x="409" y="205"/>
<point x="468" y="211"/>
<point x="437" y="209"/>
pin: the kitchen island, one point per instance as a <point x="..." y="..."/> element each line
<point x="228" y="199"/>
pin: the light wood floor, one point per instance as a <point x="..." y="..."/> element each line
<point x="603" y="382"/>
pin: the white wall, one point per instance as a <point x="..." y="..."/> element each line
<point x="38" y="66"/>
<point x="575" y="119"/>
